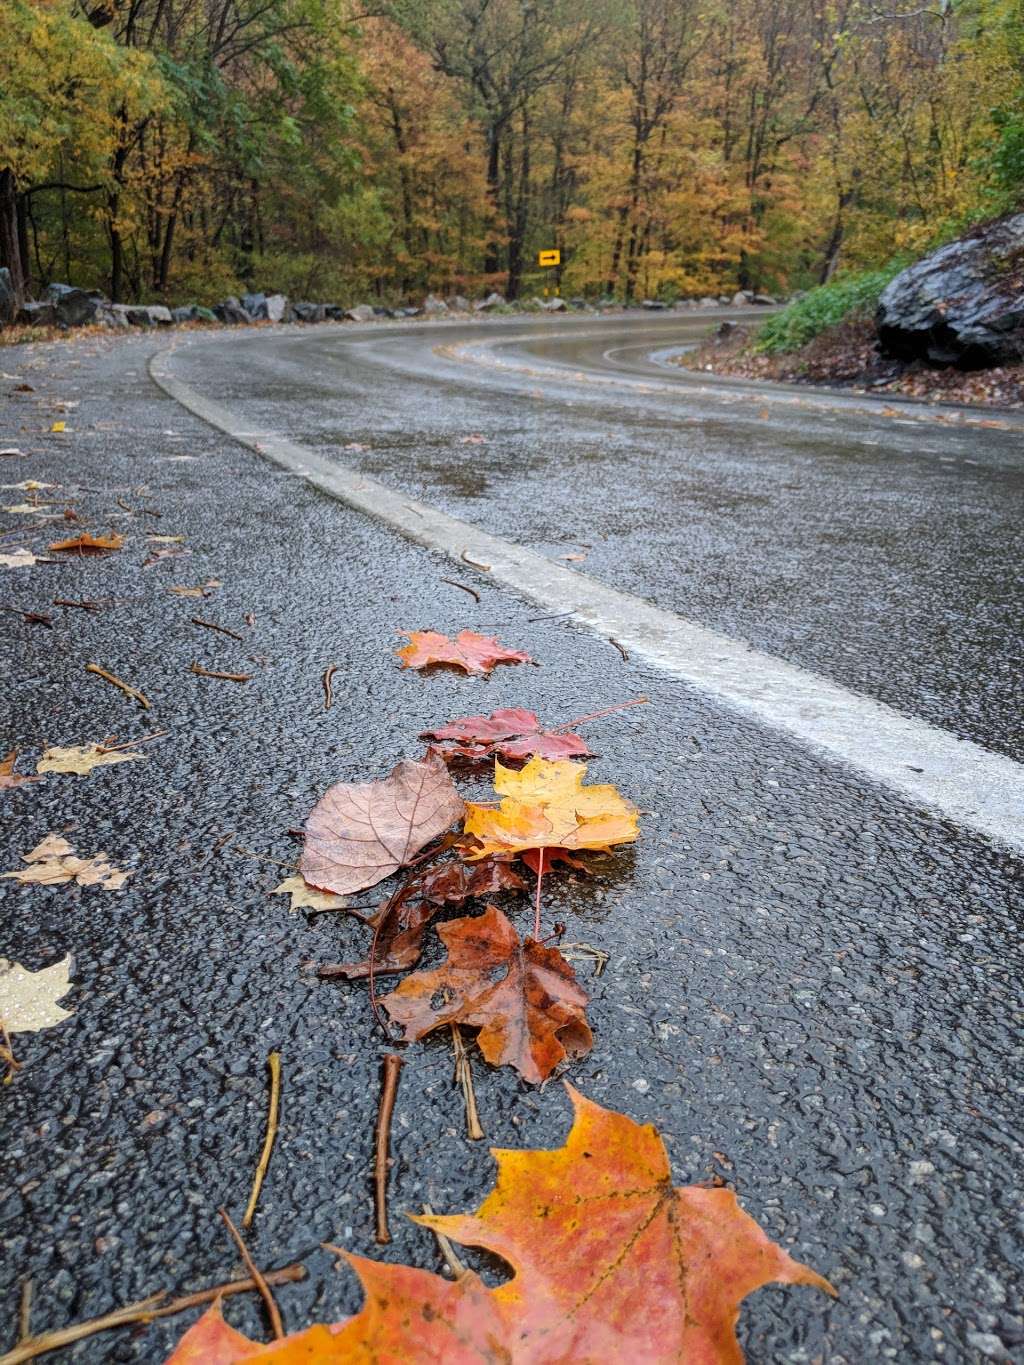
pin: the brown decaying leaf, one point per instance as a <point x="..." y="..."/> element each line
<point x="54" y="862"/>
<point x="87" y="544"/>
<point x="360" y="832"/>
<point x="469" y="651"/>
<point x="523" y="997"/>
<point x="406" y="918"/>
<point x="167" y="552"/>
<point x="511" y="732"/>
<point x="8" y="777"/>
<point x="200" y="590"/>
<point x="609" y="1263"/>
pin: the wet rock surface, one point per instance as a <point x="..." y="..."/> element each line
<point x="811" y="987"/>
<point x="962" y="305"/>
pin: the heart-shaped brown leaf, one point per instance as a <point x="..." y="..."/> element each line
<point x="358" y="833"/>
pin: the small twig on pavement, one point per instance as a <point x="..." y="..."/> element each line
<point x="464" y="1078"/>
<point x="276" y="1326"/>
<point x="25" y="1311"/>
<point x="475" y="562"/>
<point x="619" y="647"/>
<point x="329" y="673"/>
<point x="274" y="1064"/>
<point x="142" y="1311"/>
<point x="220" y="844"/>
<point x="389" y="1088"/>
<point x="453" y="584"/>
<point x="451" y="1260"/>
<point x="212" y="625"/>
<point x="126" y="688"/>
<point x="85" y="606"/>
<point x="576" y="950"/>
<point x="202" y="672"/>
<point x="262" y="858"/>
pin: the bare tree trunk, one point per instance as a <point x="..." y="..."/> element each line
<point x="11" y="254"/>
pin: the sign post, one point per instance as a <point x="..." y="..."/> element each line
<point x="546" y="259"/>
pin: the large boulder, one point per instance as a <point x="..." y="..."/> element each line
<point x="37" y="314"/>
<point x="459" y="304"/>
<point x="553" y="305"/>
<point x="231" y="312"/>
<point x="492" y="300"/>
<point x="362" y="312"/>
<point x="74" y="307"/>
<point x="8" y="298"/>
<point x="309" y="312"/>
<point x="962" y="305"/>
<point x="433" y="306"/>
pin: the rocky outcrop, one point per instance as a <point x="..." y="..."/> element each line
<point x="962" y="305"/>
<point x="74" y="307"/>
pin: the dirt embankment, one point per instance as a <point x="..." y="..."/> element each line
<point x="847" y="356"/>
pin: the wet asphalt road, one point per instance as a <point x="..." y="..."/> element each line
<point x="883" y="548"/>
<point x="813" y="988"/>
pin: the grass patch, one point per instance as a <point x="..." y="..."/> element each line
<point x="847" y="297"/>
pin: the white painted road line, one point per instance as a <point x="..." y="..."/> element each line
<point x="956" y="778"/>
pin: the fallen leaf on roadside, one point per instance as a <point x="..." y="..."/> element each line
<point x="165" y="540"/>
<point x="469" y="651"/>
<point x="13" y="451"/>
<point x="609" y="1263"/>
<point x="201" y="590"/>
<point x="545" y="805"/>
<point x="87" y="544"/>
<point x="511" y="732"/>
<point x="210" y="1341"/>
<point x="474" y="440"/>
<point x="28" y="1000"/>
<point x="404" y="921"/>
<point x="54" y="862"/>
<point x="168" y="552"/>
<point x="59" y="426"/>
<point x="303" y="896"/>
<point x="360" y="832"/>
<point x="22" y="559"/>
<point x="27" y="509"/>
<point x="30" y="486"/>
<point x="523" y="997"/>
<point x="81" y="759"/>
<point x="8" y="777"/>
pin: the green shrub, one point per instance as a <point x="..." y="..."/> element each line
<point x="848" y="296"/>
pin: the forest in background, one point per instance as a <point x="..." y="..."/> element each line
<point x="173" y="150"/>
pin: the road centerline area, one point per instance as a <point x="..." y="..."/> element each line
<point x="953" y="777"/>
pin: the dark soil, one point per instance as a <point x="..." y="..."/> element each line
<point x="846" y="355"/>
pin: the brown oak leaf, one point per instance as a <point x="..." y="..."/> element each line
<point x="358" y="833"/>
<point x="469" y="651"/>
<point x="523" y="997"/>
<point x="86" y="544"/>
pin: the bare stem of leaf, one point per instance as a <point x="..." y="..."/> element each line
<point x="451" y="1260"/>
<point x="126" y="688"/>
<point x="276" y="1326"/>
<point x="389" y="1089"/>
<point x="595" y="715"/>
<point x="464" y="1078"/>
<point x="142" y="1311"/>
<point x="274" y="1064"/>
<point x="25" y="1311"/>
<point x="475" y="562"/>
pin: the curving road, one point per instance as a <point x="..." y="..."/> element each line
<point x="879" y="544"/>
<point x="814" y="977"/>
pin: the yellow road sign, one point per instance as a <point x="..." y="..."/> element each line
<point x="549" y="258"/>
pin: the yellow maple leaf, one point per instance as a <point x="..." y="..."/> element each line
<point x="81" y="759"/>
<point x="545" y="805"/>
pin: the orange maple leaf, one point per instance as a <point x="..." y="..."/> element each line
<point x="545" y="805"/>
<point x="610" y="1262"/>
<point x="210" y="1341"/>
<point x="469" y="651"/>
<point x="532" y="1017"/>
<point x="86" y="544"/>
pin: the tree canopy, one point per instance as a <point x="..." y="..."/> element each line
<point x="184" y="149"/>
